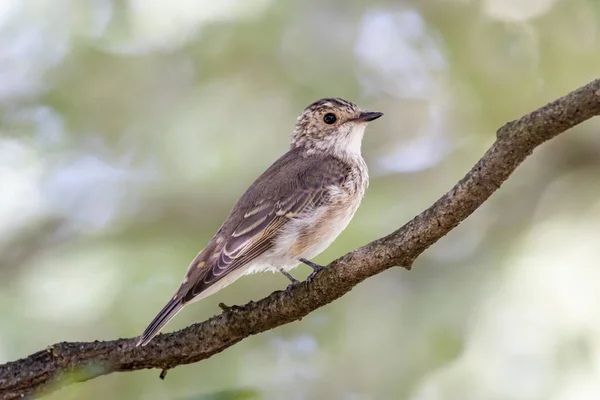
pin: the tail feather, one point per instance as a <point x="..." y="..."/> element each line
<point x="164" y="316"/>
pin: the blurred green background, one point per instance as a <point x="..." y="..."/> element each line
<point x="129" y="129"/>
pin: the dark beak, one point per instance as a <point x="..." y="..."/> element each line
<point x="368" y="116"/>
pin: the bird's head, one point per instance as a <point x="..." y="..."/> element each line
<point x="332" y="125"/>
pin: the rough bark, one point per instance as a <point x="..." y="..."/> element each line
<point x="46" y="370"/>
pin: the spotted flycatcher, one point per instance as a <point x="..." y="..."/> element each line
<point x="291" y="213"/>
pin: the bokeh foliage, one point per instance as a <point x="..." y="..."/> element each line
<point x="129" y="128"/>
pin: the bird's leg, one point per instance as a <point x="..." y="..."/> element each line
<point x="316" y="268"/>
<point x="291" y="278"/>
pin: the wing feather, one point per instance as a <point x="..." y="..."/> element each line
<point x="257" y="232"/>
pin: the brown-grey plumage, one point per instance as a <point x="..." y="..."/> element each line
<point x="292" y="212"/>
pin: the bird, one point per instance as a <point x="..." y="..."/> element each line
<point x="291" y="213"/>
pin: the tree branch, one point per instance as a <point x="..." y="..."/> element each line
<point x="46" y="370"/>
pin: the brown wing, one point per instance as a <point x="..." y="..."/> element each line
<point x="256" y="233"/>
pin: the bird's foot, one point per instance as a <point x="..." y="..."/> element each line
<point x="226" y="308"/>
<point x="312" y="276"/>
<point x="294" y="281"/>
<point x="316" y="268"/>
<point x="291" y="286"/>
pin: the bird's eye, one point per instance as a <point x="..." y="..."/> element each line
<point x="329" y="118"/>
